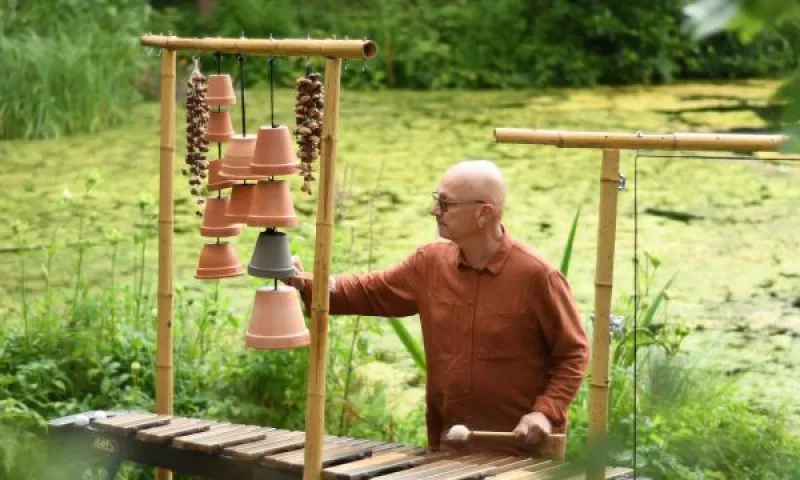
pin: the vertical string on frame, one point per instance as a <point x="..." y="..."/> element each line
<point x="241" y="60"/>
<point x="272" y="90"/>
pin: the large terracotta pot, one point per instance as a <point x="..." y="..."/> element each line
<point x="272" y="205"/>
<point x="236" y="161"/>
<point x="215" y="180"/>
<point x="215" y="219"/>
<point x="277" y="320"/>
<point x="240" y="202"/>
<point x="218" y="260"/>
<point x="220" y="126"/>
<point x="220" y="90"/>
<point x="274" y="153"/>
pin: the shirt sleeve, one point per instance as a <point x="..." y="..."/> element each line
<point x="569" y="349"/>
<point x="388" y="293"/>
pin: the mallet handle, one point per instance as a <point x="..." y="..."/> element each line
<point x="486" y="434"/>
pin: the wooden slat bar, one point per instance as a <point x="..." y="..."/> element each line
<point x="130" y="427"/>
<point x="383" y="463"/>
<point x="166" y="433"/>
<point x="256" y="451"/>
<point x="103" y="423"/>
<point x="212" y="432"/>
<point x="238" y="437"/>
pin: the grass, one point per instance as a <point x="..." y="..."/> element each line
<point x="737" y="267"/>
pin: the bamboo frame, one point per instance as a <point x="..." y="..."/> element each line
<point x="667" y="141"/>
<point x="315" y="406"/>
<point x="334" y="51"/>
<point x="166" y="224"/>
<point x="611" y="143"/>
<point x="353" y="49"/>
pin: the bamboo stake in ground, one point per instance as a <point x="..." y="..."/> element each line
<point x="731" y="142"/>
<point x="166" y="222"/>
<point x="315" y="408"/>
<point x="604" y="276"/>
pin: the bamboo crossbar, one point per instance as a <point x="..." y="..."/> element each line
<point x="731" y="142"/>
<point x="329" y="48"/>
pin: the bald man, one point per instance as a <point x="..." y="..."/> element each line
<point x="503" y="340"/>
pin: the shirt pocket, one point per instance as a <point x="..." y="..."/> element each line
<point x="505" y="336"/>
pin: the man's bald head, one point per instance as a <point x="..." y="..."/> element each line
<point x="476" y="180"/>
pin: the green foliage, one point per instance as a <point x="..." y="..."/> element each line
<point x="501" y="43"/>
<point x="70" y="69"/>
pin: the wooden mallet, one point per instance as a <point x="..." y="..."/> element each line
<point x="460" y="433"/>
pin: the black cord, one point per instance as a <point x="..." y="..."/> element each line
<point x="272" y="89"/>
<point x="240" y="57"/>
<point x="218" y="60"/>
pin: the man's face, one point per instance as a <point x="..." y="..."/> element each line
<point x="456" y="210"/>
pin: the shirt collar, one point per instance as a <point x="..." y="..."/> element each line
<point x="497" y="260"/>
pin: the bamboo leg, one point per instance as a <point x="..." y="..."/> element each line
<point x="598" y="391"/>
<point x="166" y="221"/>
<point x="315" y="409"/>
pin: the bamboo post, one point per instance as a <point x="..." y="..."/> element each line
<point x="315" y="408"/>
<point x="166" y="222"/>
<point x="604" y="276"/>
<point x="731" y="142"/>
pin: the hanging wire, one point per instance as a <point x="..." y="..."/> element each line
<point x="241" y="59"/>
<point x="636" y="300"/>
<point x="741" y="158"/>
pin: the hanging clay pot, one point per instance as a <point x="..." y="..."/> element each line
<point x="215" y="180"/>
<point x="236" y="162"/>
<point x="277" y="320"/>
<point x="271" y="256"/>
<point x="220" y="90"/>
<point x="218" y="260"/>
<point x="215" y="219"/>
<point x="239" y="205"/>
<point x="272" y="206"/>
<point x="220" y="126"/>
<point x="274" y="152"/>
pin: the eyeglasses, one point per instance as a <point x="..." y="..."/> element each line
<point x="444" y="204"/>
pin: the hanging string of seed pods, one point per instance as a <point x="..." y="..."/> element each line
<point x="308" y="116"/>
<point x="197" y="117"/>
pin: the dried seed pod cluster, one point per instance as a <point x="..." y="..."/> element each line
<point x="308" y="113"/>
<point x="197" y="117"/>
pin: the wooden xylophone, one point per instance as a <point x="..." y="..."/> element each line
<point x="220" y="450"/>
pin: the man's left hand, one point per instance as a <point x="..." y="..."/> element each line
<point x="533" y="427"/>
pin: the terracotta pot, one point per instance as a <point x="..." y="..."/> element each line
<point x="277" y="320"/>
<point x="215" y="219"/>
<point x="272" y="257"/>
<point x="220" y="90"/>
<point x="272" y="205"/>
<point x="215" y="180"/>
<point x="218" y="260"/>
<point x="239" y="204"/>
<point x="274" y="152"/>
<point x="236" y="161"/>
<point x="220" y="127"/>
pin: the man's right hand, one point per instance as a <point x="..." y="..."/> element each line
<point x="295" y="281"/>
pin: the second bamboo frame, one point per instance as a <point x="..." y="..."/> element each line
<point x="611" y="143"/>
<point x="334" y="51"/>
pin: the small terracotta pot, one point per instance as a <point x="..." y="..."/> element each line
<point x="274" y="152"/>
<point x="272" y="206"/>
<point x="271" y="257"/>
<point x="215" y="219"/>
<point x="220" y="90"/>
<point x="215" y="180"/>
<point x="239" y="205"/>
<point x="220" y="127"/>
<point x="236" y="162"/>
<point x="218" y="260"/>
<point x="277" y="320"/>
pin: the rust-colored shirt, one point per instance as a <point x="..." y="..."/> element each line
<point x="500" y="342"/>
